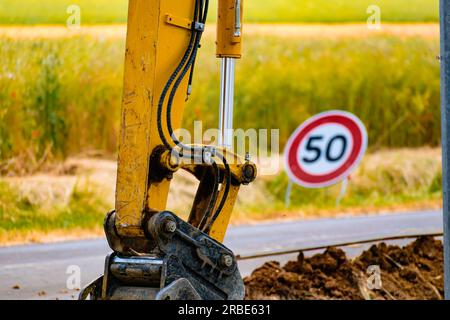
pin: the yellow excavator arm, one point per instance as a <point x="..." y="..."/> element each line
<point x="157" y="255"/>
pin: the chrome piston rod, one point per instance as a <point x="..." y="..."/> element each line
<point x="228" y="66"/>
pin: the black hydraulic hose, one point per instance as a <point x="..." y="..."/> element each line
<point x="172" y="96"/>
<point x="189" y="58"/>
<point x="172" y="79"/>
<point x="187" y="67"/>
<point x="213" y="199"/>
<point x="191" y="75"/>
<point x="204" y="14"/>
<point x="225" y="194"/>
<point x="181" y="76"/>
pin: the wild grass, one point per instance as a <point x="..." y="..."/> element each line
<point x="332" y="11"/>
<point x="387" y="180"/>
<point x="64" y="94"/>
<point x="21" y="219"/>
<point x="55" y="11"/>
<point x="59" y="94"/>
<point x="49" y="207"/>
<point x="274" y="11"/>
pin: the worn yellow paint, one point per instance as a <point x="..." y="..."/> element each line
<point x="220" y="226"/>
<point x="157" y="37"/>
<point x="153" y="50"/>
<point x="228" y="44"/>
<point x="237" y="166"/>
<point x="179" y="22"/>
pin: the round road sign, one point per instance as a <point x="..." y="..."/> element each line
<point x="325" y="149"/>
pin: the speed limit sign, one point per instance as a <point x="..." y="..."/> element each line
<point x="325" y="149"/>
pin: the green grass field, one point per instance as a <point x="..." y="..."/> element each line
<point x="66" y="93"/>
<point x="61" y="96"/>
<point x="293" y="11"/>
<point x="21" y="220"/>
<point x="36" y="210"/>
<point x="385" y="178"/>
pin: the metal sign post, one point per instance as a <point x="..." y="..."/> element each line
<point x="445" y="105"/>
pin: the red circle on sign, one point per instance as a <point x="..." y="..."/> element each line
<point x="359" y="144"/>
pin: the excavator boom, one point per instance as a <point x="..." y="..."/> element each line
<point x="157" y="255"/>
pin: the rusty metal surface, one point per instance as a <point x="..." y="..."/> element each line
<point x="153" y="48"/>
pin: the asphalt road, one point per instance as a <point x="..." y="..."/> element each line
<point x="41" y="271"/>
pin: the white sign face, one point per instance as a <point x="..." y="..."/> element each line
<point x="325" y="149"/>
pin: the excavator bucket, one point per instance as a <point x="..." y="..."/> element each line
<point x="186" y="264"/>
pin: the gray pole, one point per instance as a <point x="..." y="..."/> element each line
<point x="445" y="105"/>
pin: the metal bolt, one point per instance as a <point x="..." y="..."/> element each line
<point x="227" y="260"/>
<point x="170" y="226"/>
<point x="248" y="174"/>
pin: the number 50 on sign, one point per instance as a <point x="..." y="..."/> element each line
<point x="325" y="149"/>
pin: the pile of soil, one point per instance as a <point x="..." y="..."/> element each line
<point x="412" y="272"/>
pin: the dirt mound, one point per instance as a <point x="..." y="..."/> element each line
<point x="384" y="272"/>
